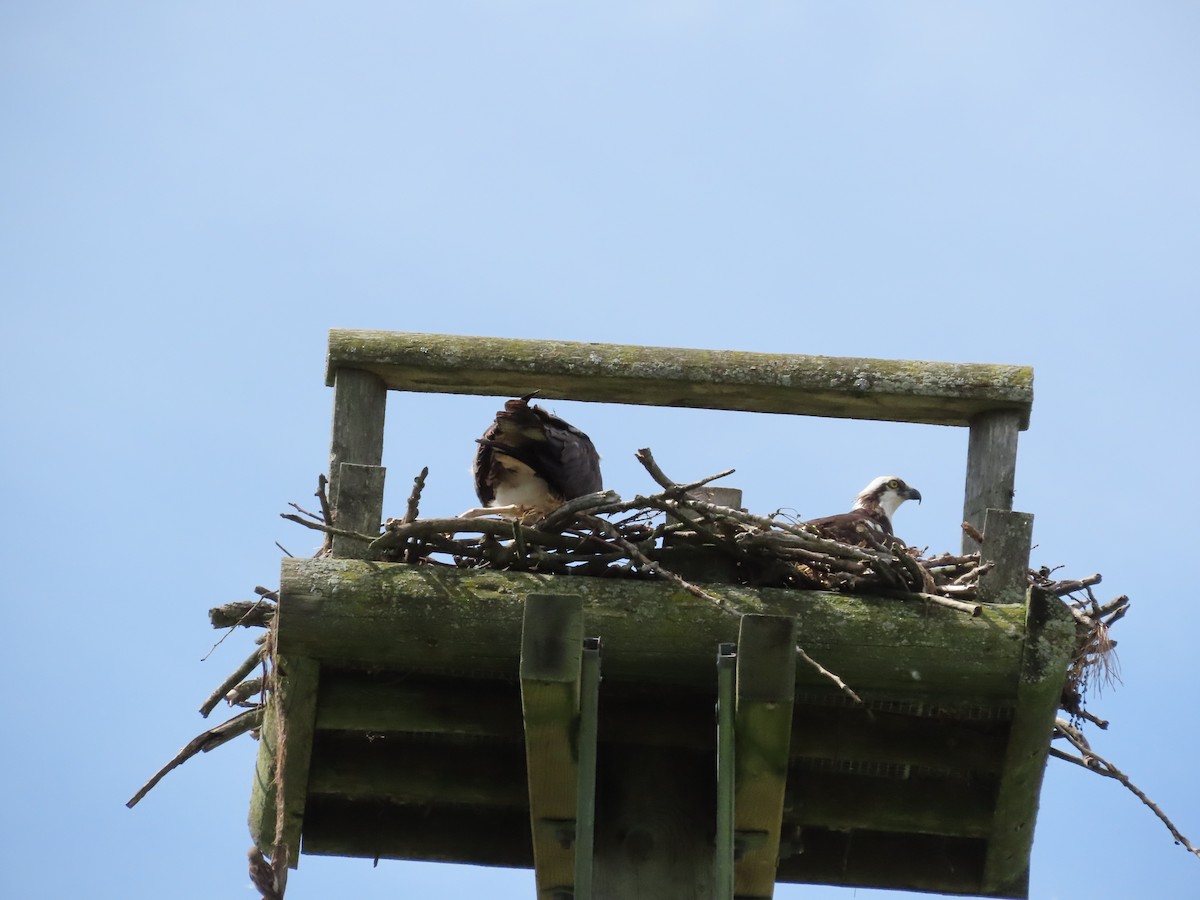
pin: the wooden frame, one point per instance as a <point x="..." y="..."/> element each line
<point x="947" y="691"/>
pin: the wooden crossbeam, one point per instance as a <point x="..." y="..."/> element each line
<point x="766" y="679"/>
<point x="551" y="658"/>
<point x="853" y="388"/>
<point x="394" y="615"/>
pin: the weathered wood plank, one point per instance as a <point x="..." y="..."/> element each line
<point x="392" y="768"/>
<point x="461" y="708"/>
<point x="889" y="390"/>
<point x="487" y="836"/>
<point x="654" y="813"/>
<point x="359" y="407"/>
<point x="359" y="507"/>
<point x="394" y="615"/>
<point x="1007" y="539"/>
<point x="766" y="683"/>
<point x="876" y="859"/>
<point x="1049" y="646"/>
<point x="294" y="700"/>
<point x="991" y="466"/>
<point x="551" y="658"/>
<point x="952" y="807"/>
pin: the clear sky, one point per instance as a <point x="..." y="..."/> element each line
<point x="193" y="194"/>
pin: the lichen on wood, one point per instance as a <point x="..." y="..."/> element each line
<point x="888" y="390"/>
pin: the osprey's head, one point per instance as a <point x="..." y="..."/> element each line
<point x="886" y="493"/>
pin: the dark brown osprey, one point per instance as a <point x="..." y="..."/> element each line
<point x="530" y="462"/>
<point x="873" y="508"/>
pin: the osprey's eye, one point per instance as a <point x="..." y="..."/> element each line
<point x="894" y="484"/>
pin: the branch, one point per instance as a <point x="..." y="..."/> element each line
<point x="232" y="681"/>
<point x="414" y="499"/>
<point x="1092" y="761"/>
<point x="242" y="612"/>
<point x="202" y="743"/>
<point x="328" y="529"/>
<point x="842" y="686"/>
<point x="649" y="565"/>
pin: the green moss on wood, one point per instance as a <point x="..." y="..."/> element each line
<point x="893" y="390"/>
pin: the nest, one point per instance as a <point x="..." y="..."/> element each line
<point x="663" y="536"/>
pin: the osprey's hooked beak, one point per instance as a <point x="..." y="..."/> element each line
<point x="913" y="494"/>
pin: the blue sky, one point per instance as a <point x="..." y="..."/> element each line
<point x="195" y="193"/>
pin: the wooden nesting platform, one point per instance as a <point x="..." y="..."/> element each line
<point x="401" y="692"/>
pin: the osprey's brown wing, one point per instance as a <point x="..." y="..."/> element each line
<point x="553" y="449"/>
<point x="845" y="527"/>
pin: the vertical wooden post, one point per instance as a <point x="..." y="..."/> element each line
<point x="766" y="686"/>
<point x="1049" y="646"/>
<point x="551" y="657"/>
<point x="1007" y="539"/>
<point x="356" y="496"/>
<point x="726" y="771"/>
<point x="585" y="825"/>
<point x="284" y="753"/>
<point x="991" y="467"/>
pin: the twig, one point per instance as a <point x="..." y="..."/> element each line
<point x="312" y="515"/>
<point x="328" y="529"/>
<point x="650" y="565"/>
<point x="202" y="743"/>
<point x="322" y="495"/>
<point x="972" y="532"/>
<point x="845" y="688"/>
<point x="414" y="499"/>
<point x="245" y="691"/>
<point x="1092" y="761"/>
<point x="248" y="614"/>
<point x="971" y="609"/>
<point x="646" y="458"/>
<point x="1059" y="588"/>
<point x="238" y="674"/>
<point x="573" y="508"/>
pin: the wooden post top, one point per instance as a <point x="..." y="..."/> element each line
<point x="838" y="387"/>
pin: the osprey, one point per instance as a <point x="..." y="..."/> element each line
<point x="530" y="462"/>
<point x="873" y="508"/>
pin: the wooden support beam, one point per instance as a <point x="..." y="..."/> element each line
<point x="991" y="466"/>
<point x="726" y="771"/>
<point x="286" y="740"/>
<point x="766" y="683"/>
<point x="551" y="656"/>
<point x="390" y="615"/>
<point x="654" y="814"/>
<point x="1049" y="645"/>
<point x="888" y="390"/>
<point x="359" y="406"/>
<point x="585" y="825"/>
<point x="1007" y="539"/>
